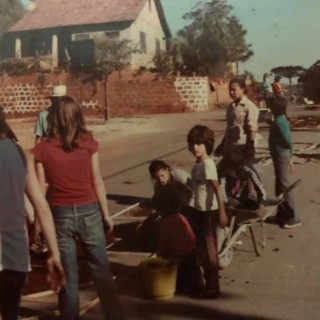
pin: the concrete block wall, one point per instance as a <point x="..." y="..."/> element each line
<point x="194" y="91"/>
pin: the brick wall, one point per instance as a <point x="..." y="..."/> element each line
<point x="143" y="95"/>
<point x="219" y="92"/>
<point x="127" y="94"/>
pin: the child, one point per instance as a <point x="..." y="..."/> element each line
<point x="242" y="124"/>
<point x="276" y="87"/>
<point x="177" y="240"/>
<point x="163" y="175"/>
<point x="280" y="145"/>
<point x="206" y="209"/>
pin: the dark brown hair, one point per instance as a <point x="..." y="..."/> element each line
<point x="66" y="122"/>
<point x="157" y="165"/>
<point x="201" y="135"/>
<point x="278" y="106"/>
<point x="241" y="82"/>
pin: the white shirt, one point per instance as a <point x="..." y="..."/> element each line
<point x="203" y="197"/>
<point x="242" y="118"/>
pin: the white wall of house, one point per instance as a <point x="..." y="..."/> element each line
<point x="149" y="24"/>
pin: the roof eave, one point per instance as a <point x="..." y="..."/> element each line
<point x="163" y="19"/>
<point x="65" y="26"/>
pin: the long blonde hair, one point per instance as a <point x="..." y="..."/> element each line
<point x="66" y="122"/>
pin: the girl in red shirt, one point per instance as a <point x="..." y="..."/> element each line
<point x="68" y="161"/>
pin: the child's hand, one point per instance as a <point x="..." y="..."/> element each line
<point x="219" y="151"/>
<point x="108" y="223"/>
<point x="55" y="276"/>
<point x="224" y="221"/>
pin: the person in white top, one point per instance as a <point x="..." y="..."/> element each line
<point x="206" y="208"/>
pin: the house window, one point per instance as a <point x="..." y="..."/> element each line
<point x="150" y="5"/>
<point x="81" y="36"/>
<point x="143" y="42"/>
<point x="112" y="34"/>
<point x="158" y="47"/>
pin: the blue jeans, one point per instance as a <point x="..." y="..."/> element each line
<point x="11" y="286"/>
<point x="85" y="223"/>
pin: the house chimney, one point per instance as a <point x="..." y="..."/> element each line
<point x="32" y="5"/>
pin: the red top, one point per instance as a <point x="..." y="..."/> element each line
<point x="68" y="174"/>
<point x="176" y="236"/>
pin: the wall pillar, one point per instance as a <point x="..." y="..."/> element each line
<point x="55" y="59"/>
<point x="18" y="49"/>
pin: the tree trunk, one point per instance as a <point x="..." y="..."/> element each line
<point x="106" y="111"/>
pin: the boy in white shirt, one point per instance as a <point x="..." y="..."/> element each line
<point x="206" y="208"/>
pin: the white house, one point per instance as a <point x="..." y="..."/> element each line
<point x="62" y="28"/>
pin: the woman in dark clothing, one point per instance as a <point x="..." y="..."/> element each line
<point x="17" y="176"/>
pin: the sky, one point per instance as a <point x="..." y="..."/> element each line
<point x="282" y="32"/>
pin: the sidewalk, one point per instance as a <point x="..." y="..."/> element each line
<point x="112" y="129"/>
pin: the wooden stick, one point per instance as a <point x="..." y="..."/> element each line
<point x="88" y="306"/>
<point x="125" y="210"/>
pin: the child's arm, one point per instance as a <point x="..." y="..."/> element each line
<point x="219" y="150"/>
<point x="285" y="132"/>
<point x="100" y="191"/>
<point x="223" y="219"/>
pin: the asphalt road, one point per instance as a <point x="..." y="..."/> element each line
<point x="281" y="284"/>
<point x="124" y="162"/>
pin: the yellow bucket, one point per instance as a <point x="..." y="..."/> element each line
<point x="159" y="277"/>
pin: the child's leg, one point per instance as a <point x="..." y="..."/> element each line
<point x="281" y="164"/>
<point x="210" y="262"/>
<point x="204" y="227"/>
<point x="190" y="278"/>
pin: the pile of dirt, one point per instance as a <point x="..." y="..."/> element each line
<point x="310" y="122"/>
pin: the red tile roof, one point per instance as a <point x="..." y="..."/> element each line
<point x="60" y="13"/>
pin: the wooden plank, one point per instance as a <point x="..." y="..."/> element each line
<point x="125" y="210"/>
<point x="84" y="308"/>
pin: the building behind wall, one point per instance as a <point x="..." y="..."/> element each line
<point x="65" y="29"/>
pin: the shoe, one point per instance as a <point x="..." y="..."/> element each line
<point x="292" y="223"/>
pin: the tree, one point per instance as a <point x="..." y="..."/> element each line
<point x="10" y="12"/>
<point x="288" y="72"/>
<point x="310" y="82"/>
<point x="110" y="55"/>
<point x="171" y="60"/>
<point x="213" y="39"/>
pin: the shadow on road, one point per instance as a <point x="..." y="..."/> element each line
<point x="126" y="200"/>
<point x="188" y="309"/>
